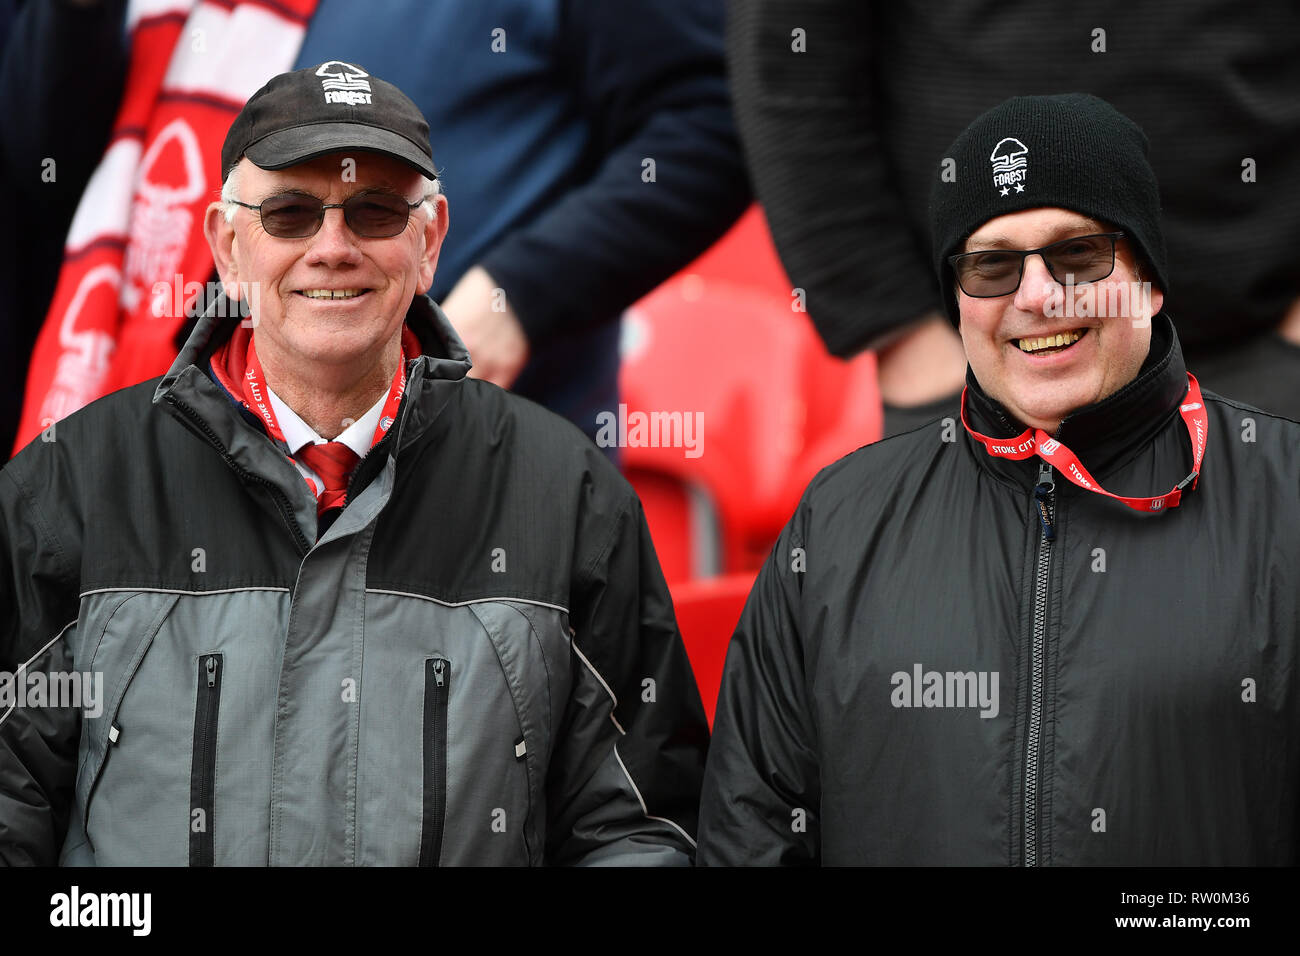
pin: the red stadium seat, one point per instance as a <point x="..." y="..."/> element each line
<point x="745" y="256"/>
<point x="772" y="407"/>
<point x="707" y="612"/>
<point x="668" y="513"/>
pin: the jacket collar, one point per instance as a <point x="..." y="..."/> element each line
<point x="448" y="358"/>
<point x="444" y="357"/>
<point x="1104" y="434"/>
<point x="192" y="395"/>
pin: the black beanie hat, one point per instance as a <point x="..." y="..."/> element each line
<point x="1072" y="150"/>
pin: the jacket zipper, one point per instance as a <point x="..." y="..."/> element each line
<point x="203" y="770"/>
<point x="437" y="689"/>
<point x="1044" y="493"/>
<point x="281" y="500"/>
<point x="379" y="445"/>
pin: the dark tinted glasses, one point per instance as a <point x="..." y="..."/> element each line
<point x="995" y="272"/>
<point x="297" y="215"/>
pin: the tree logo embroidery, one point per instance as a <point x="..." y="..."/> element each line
<point x="1009" y="165"/>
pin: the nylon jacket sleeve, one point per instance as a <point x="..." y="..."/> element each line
<point x="38" y="742"/>
<point x="762" y="791"/>
<point x="814" y="146"/>
<point x="650" y="75"/>
<point x="624" y="782"/>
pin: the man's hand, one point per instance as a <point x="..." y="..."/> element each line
<point x="488" y="326"/>
<point x="922" y="365"/>
<point x="1290" y="327"/>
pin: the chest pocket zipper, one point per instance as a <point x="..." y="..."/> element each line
<point x="203" y="769"/>
<point x="437" y="691"/>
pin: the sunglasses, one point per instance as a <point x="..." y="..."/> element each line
<point x="370" y="215"/>
<point x="996" y="272"/>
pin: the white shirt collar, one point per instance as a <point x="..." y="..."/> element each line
<point x="297" y="433"/>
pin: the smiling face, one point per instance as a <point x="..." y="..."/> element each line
<point x="334" y="300"/>
<point x="1040" y="387"/>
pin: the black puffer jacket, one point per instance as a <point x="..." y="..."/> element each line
<point x="1128" y="693"/>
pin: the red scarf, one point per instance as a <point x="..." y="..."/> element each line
<point x="137" y="241"/>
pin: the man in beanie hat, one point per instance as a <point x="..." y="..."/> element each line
<point x="328" y="600"/>
<point x="1062" y="630"/>
<point x="1085" y="189"/>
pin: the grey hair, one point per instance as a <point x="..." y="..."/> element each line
<point x="229" y="192"/>
<point x="431" y="189"/>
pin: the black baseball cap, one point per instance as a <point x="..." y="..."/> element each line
<point x="330" y="108"/>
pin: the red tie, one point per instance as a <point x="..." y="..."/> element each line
<point x="334" y="462"/>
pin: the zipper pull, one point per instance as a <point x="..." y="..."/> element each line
<point x="1042" y="492"/>
<point x="439" y="672"/>
<point x="212" y="672"/>
<point x="1045" y="479"/>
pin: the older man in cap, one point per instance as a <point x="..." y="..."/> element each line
<point x="1064" y="630"/>
<point x="335" y="602"/>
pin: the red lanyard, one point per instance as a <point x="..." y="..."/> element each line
<point x="258" y="400"/>
<point x="1035" y="441"/>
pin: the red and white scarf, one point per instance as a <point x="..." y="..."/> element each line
<point x="136" y="240"/>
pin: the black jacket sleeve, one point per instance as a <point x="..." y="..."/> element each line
<point x="814" y="147"/>
<point x="38" y="742"/>
<point x="762" y="789"/>
<point x="624" y="783"/>
<point x="650" y="76"/>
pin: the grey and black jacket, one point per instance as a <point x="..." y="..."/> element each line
<point x="477" y="662"/>
<point x="922" y="675"/>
